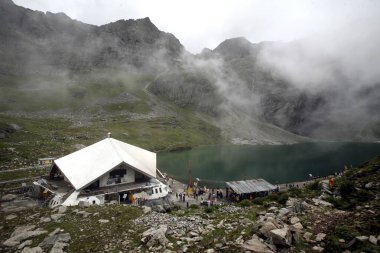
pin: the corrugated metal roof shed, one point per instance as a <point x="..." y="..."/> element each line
<point x="249" y="186"/>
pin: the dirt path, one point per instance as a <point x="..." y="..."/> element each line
<point x="19" y="180"/>
<point x="26" y="168"/>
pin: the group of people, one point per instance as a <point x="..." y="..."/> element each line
<point x="181" y="196"/>
<point x="293" y="185"/>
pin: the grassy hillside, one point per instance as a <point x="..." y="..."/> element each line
<point x="60" y="112"/>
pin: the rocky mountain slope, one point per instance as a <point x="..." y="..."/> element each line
<point x="269" y="82"/>
<point x="37" y="42"/>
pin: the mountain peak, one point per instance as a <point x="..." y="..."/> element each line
<point x="6" y="2"/>
<point x="234" y="47"/>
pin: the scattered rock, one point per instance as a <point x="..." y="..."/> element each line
<point x="58" y="247"/>
<point x="79" y="146"/>
<point x="362" y="238"/>
<point x="8" y="197"/>
<point x="298" y="207"/>
<point x="281" y="236"/>
<point x="321" y="202"/>
<point x="220" y="224"/>
<point x="55" y="231"/>
<point x="307" y="236"/>
<point x="32" y="250"/>
<point x="146" y="209"/>
<point x="45" y="219"/>
<point x="320" y="237"/>
<point x="273" y="209"/>
<point x="103" y="221"/>
<point x="298" y="226"/>
<point x="283" y="212"/>
<point x="24" y="244"/>
<point x="51" y="240"/>
<point x="317" y="249"/>
<point x="22" y="233"/>
<point x="373" y="240"/>
<point x="368" y="185"/>
<point x="62" y="209"/>
<point x="294" y="220"/>
<point x="218" y="245"/>
<point x="11" y="217"/>
<point x="350" y="243"/>
<point x="83" y="213"/>
<point x="255" y="245"/>
<point x="57" y="216"/>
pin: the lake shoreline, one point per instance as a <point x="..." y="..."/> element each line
<point x="277" y="164"/>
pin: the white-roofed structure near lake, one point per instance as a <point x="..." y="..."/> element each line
<point x="94" y="163"/>
<point x="107" y="170"/>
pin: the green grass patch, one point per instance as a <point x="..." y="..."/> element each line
<point x="245" y="203"/>
<point x="135" y="107"/>
<point x="57" y="137"/>
<point x="4" y="176"/>
<point x="279" y="197"/>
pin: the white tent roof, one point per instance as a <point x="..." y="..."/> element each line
<point x="86" y="165"/>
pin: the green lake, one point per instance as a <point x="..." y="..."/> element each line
<point x="275" y="163"/>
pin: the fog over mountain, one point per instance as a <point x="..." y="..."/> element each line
<point x="326" y="86"/>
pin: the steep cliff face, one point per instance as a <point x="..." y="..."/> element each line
<point x="325" y="102"/>
<point x="239" y="82"/>
<point x="33" y="41"/>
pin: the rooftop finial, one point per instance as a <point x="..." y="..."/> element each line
<point x="109" y="135"/>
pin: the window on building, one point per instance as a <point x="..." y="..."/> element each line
<point x="160" y="190"/>
<point x="156" y="190"/>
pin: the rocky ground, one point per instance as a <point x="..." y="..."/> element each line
<point x="318" y="218"/>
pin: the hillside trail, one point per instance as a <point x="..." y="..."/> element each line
<point x="159" y="106"/>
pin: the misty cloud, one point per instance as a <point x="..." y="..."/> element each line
<point x="200" y="24"/>
<point x="348" y="57"/>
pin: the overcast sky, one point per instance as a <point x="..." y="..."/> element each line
<point x="206" y="23"/>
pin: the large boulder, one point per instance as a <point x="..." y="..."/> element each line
<point x="155" y="236"/>
<point x="266" y="228"/>
<point x="256" y="246"/>
<point x="281" y="236"/>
